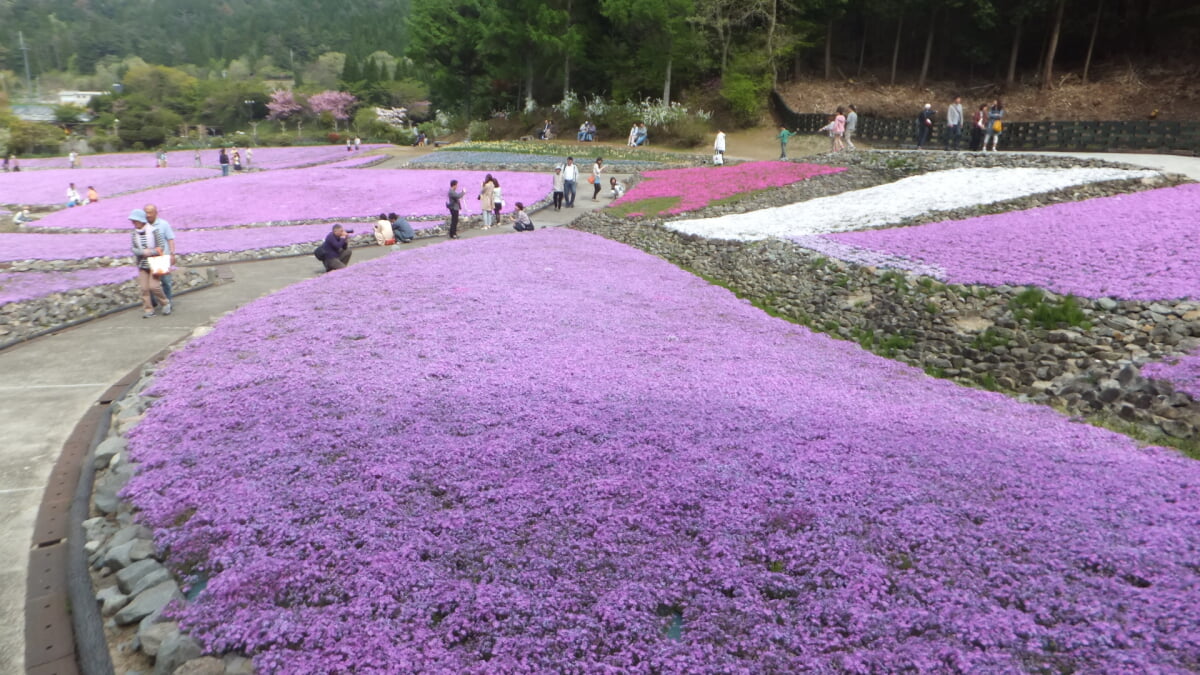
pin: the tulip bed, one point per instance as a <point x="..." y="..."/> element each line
<point x="1183" y="371"/>
<point x="264" y="158"/>
<point x="893" y="203"/>
<point x="612" y="466"/>
<point x="22" y="286"/>
<point x="50" y="187"/>
<point x="303" y="194"/>
<point x="696" y="187"/>
<point x="1138" y="246"/>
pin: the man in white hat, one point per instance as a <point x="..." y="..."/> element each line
<point x="925" y="125"/>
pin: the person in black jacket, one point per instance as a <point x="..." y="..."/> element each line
<point x="337" y="249"/>
<point x="925" y="125"/>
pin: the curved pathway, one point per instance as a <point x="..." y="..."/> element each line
<point x="50" y="383"/>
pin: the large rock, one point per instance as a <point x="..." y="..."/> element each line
<point x="122" y="556"/>
<point x="148" y="602"/>
<point x="107" y="450"/>
<point x="238" y="665"/>
<point x="205" y="665"/>
<point x="134" y="579"/>
<point x="151" y="636"/>
<point x="105" y="494"/>
<point x="175" y="651"/>
<point x="111" y="600"/>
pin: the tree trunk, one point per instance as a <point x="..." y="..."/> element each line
<point x="928" y="49"/>
<point x="1011" y="78"/>
<point x="529" y="102"/>
<point x="896" y="47"/>
<point x="1048" y="69"/>
<point x="666" y="97"/>
<point x="862" y="51"/>
<point x="1087" y="63"/>
<point x="829" y="49"/>
<point x="724" y="36"/>
<point x="771" y="42"/>
<point x="567" y="57"/>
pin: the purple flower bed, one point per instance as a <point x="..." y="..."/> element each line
<point x="697" y="187"/>
<point x="1139" y="246"/>
<point x="21" y="286"/>
<point x="1183" y="371"/>
<point x="612" y="466"/>
<point x="50" y="186"/>
<point x="34" y="246"/>
<point x="303" y="194"/>
<point x="264" y="158"/>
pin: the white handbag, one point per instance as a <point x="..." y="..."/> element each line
<point x="159" y="265"/>
<point x="718" y="159"/>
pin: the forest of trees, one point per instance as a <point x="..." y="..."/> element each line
<point x="478" y="56"/>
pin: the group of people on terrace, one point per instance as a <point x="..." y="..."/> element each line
<point x="986" y="126"/>
<point x="75" y="199"/>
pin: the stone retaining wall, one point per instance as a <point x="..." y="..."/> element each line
<point x="976" y="335"/>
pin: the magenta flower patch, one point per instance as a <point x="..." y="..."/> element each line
<point x="1138" y="246"/>
<point x="697" y="187"/>
<point x="303" y="194"/>
<point x="50" y="187"/>
<point x="21" y="286"/>
<point x="612" y="466"/>
<point x="264" y="158"/>
<point x="1183" y="371"/>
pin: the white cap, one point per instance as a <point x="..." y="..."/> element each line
<point x="927" y="106"/>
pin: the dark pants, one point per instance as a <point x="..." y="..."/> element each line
<point x="558" y="199"/>
<point x="596" y="188"/>
<point x="953" y="135"/>
<point x="569" y="192"/>
<point x="976" y="139"/>
<point x="923" y="132"/>
<point x="332" y="263"/>
<point x="453" y="223"/>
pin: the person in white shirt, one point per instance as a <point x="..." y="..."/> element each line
<point x="615" y="189"/>
<point x="719" y="144"/>
<point x="558" y="188"/>
<point x="73" y="198"/>
<point x="570" y="176"/>
<point x="73" y="159"/>
<point x="633" y="134"/>
<point x="597" y="179"/>
<point x="954" y="123"/>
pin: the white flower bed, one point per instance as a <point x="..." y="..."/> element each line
<point x="895" y="202"/>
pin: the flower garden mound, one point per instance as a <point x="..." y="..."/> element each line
<point x="303" y="194"/>
<point x="1182" y="371"/>
<point x="49" y="187"/>
<point x="892" y="203"/>
<point x="264" y="158"/>
<point x="497" y="158"/>
<point x="612" y="465"/>
<point x="22" y="286"/>
<point x="697" y="187"/>
<point x="35" y="246"/>
<point x="1139" y="246"/>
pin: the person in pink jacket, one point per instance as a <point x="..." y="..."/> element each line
<point x="839" y="129"/>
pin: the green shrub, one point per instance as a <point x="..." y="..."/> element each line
<point x="478" y="131"/>
<point x="745" y="95"/>
<point x="688" y="132"/>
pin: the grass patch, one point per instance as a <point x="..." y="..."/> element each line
<point x="1142" y="433"/>
<point x="649" y="208"/>
<point x="1032" y="306"/>
<point x="988" y="339"/>
<point x="733" y="199"/>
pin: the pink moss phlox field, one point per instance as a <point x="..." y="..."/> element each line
<point x="50" y="186"/>
<point x="304" y="194"/>
<point x="1183" y="371"/>
<point x="21" y="286"/>
<point x="556" y="476"/>
<point x="696" y="187"/>
<point x="1138" y="246"/>
<point x="34" y="246"/>
<point x="264" y="158"/>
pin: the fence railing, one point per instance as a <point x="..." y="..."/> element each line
<point x="1144" y="135"/>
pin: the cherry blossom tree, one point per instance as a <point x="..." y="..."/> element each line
<point x="337" y="103"/>
<point x="283" y="106"/>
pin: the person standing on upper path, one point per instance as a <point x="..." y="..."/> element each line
<point x="487" y="198"/>
<point x="978" y="127"/>
<point x="223" y="160"/>
<point x="558" y="188"/>
<point x="954" y="123"/>
<point x="147" y="243"/>
<point x="249" y="157"/>
<point x="994" y="126"/>
<point x="925" y="125"/>
<point x="73" y="160"/>
<point x="168" y="235"/>
<point x="851" y="126"/>
<point x="570" y="176"/>
<point x="196" y="158"/>
<point x="597" y="178"/>
<point x="237" y="160"/>
<point x="357" y="143"/>
<point x="784" y="136"/>
<point x="454" y="205"/>
<point x="336" y="249"/>
<point x="719" y="145"/>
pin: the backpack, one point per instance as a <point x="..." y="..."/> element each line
<point x="319" y="253"/>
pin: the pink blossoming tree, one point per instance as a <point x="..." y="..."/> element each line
<point x="337" y="104"/>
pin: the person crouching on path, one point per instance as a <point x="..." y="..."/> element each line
<point x="164" y="228"/>
<point x="337" y="249"/>
<point x="454" y="205"/>
<point x="404" y="232"/>
<point x="522" y="222"/>
<point x="383" y="231"/>
<point x="147" y="242"/>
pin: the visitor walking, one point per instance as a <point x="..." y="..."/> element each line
<point x="487" y="196"/>
<point x="196" y="158"/>
<point x="851" y="126"/>
<point x="954" y="123"/>
<point x="784" y="135"/>
<point x="570" y="176"/>
<point x="994" y="126"/>
<point x="249" y="157"/>
<point x="925" y="125"/>
<point x="454" y="205"/>
<point x="828" y="129"/>
<point x="237" y="160"/>
<point x="839" y="129"/>
<point x="978" y="127"/>
<point x="72" y="159"/>
<point x="719" y="145"/>
<point x="357" y="143"/>
<point x="335" y="252"/>
<point x="147" y="242"/>
<point x="558" y="188"/>
<point x="223" y="160"/>
<point x="497" y="201"/>
<point x="597" y="179"/>
<point x="168" y="235"/>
